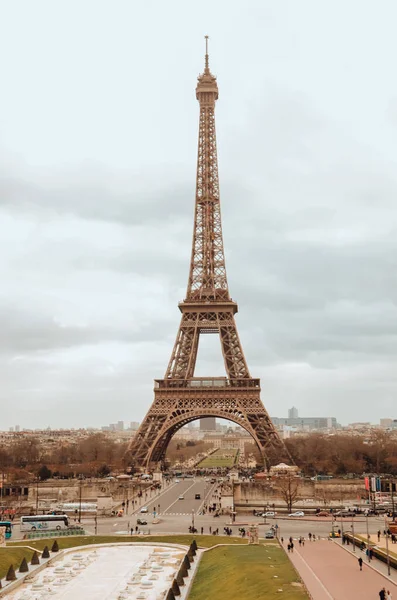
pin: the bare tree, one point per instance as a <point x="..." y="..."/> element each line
<point x="288" y="485"/>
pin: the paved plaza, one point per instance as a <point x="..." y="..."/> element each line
<point x="332" y="573"/>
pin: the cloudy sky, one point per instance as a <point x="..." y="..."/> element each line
<point x="98" y="137"/>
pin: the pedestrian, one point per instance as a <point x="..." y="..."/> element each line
<point x="360" y="562"/>
<point x="210" y="528"/>
<point x="388" y="595"/>
<point x="300" y="541"/>
<point x="382" y="594"/>
<point x="303" y="541"/>
<point x="290" y="540"/>
<point x="379" y="535"/>
<point x="292" y="547"/>
<point x="310" y="537"/>
<point x="282" y="540"/>
<point x="202" y="530"/>
<point x="289" y="547"/>
<point x="314" y="537"/>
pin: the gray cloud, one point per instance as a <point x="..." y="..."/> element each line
<point x="96" y="216"/>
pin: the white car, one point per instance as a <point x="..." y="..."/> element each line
<point x="181" y="498"/>
<point x="298" y="513"/>
<point x="144" y="509"/>
<point x="268" y="514"/>
<point x="177" y="481"/>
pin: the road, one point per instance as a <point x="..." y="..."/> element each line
<point x="175" y="516"/>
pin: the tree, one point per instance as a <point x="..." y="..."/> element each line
<point x="104" y="471"/>
<point x="44" y="473"/>
<point x="289" y="489"/>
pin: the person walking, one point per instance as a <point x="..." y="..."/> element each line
<point x="292" y="546"/>
<point x="382" y="594"/>
<point x="310" y="537"/>
<point x="289" y="547"/>
<point x="360" y="562"/>
<point x="388" y="595"/>
<point x="379" y="535"/>
<point x="282" y="540"/>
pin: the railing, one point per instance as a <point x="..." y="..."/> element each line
<point x="32" y="535"/>
<point x="205" y="382"/>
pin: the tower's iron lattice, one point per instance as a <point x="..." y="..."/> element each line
<point x="180" y="397"/>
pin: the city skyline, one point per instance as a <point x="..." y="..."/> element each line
<point x="97" y="188"/>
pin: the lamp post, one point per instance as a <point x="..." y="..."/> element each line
<point x="80" y="488"/>
<point x="354" y="541"/>
<point x="192" y="518"/>
<point x="368" y="548"/>
<point x="37" y="495"/>
<point x="387" y="547"/>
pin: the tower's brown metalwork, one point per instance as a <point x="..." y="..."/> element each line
<point x="180" y="397"/>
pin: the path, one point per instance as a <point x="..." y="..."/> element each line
<point x="331" y="573"/>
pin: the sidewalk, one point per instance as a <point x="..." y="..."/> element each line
<point x="331" y="573"/>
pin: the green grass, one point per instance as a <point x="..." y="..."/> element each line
<point x="246" y="573"/>
<point x="13" y="556"/>
<point x="203" y="541"/>
<point x="219" y="458"/>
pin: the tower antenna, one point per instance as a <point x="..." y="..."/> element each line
<point x="206" y="53"/>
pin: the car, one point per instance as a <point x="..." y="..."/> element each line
<point x="268" y="514"/>
<point x="197" y="497"/>
<point x="144" y="509"/>
<point x="177" y="481"/>
<point x="298" y="513"/>
<point x="269" y="535"/>
<point x="181" y="497"/>
<point x="322" y="513"/>
<point x="334" y="534"/>
<point x="141" y="522"/>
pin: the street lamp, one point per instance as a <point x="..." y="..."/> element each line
<point x="387" y="547"/>
<point x="368" y="548"/>
<point x="192" y="518"/>
<point x="80" y="485"/>
<point x="354" y="541"/>
<point x="37" y="495"/>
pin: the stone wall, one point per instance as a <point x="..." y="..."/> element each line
<point x="336" y="491"/>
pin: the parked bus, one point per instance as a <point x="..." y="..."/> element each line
<point x="44" y="522"/>
<point x="8" y="528"/>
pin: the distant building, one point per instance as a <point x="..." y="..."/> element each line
<point x="208" y="424"/>
<point x="293" y="413"/>
<point x="120" y="426"/>
<point x="386" y="423"/>
<point x="307" y="423"/>
<point x="134" y="425"/>
<point x="17" y="428"/>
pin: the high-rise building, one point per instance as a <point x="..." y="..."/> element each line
<point x="208" y="424"/>
<point x="293" y="413"/>
<point x="386" y="423"/>
<point x="120" y="426"/>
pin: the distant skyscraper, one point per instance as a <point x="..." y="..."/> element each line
<point x="208" y="424"/>
<point x="293" y="413"/>
<point x="120" y="426"/>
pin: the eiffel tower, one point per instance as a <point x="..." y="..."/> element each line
<point x="208" y="308"/>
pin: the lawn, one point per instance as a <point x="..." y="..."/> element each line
<point x="220" y="458"/>
<point x="13" y="556"/>
<point x="203" y="541"/>
<point x="246" y="573"/>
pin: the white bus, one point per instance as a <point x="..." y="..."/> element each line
<point x="44" y="523"/>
